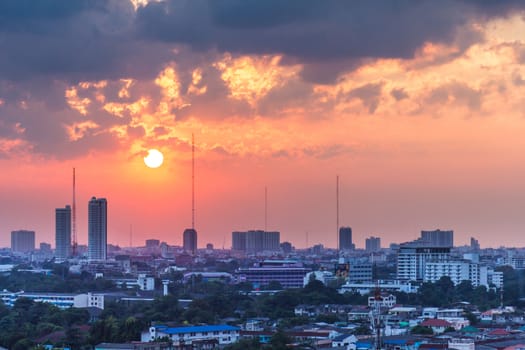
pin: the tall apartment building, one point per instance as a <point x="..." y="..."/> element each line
<point x="256" y="241"/>
<point x="189" y="240"/>
<point x="63" y="232"/>
<point x="345" y="238"/>
<point x="412" y="258"/>
<point x="97" y="228"/>
<point x="438" y="238"/>
<point x="22" y="241"/>
<point x="373" y="244"/>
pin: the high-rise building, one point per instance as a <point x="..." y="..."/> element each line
<point x="345" y="238"/>
<point x="239" y="241"/>
<point x="22" y="241"/>
<point x="412" y="258"/>
<point x="97" y="229"/>
<point x="63" y="232"/>
<point x="256" y="241"/>
<point x="373" y="244"/>
<point x="189" y="240"/>
<point x="474" y="244"/>
<point x="438" y="238"/>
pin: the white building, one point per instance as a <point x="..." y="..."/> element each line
<point x="60" y="300"/>
<point x="413" y="256"/>
<point x="384" y="285"/>
<point x="384" y="301"/>
<point x="462" y="270"/>
<point x="223" y="334"/>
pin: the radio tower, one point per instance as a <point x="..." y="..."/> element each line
<point x="74" y="219"/>
<point x="337" y="212"/>
<point x="192" y="182"/>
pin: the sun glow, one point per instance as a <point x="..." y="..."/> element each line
<point x="154" y="159"/>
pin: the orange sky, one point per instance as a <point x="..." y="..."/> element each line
<point x="434" y="140"/>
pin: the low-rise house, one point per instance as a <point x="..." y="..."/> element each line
<point x="223" y="334"/>
<point x="437" y="325"/>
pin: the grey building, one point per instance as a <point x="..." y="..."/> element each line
<point x="256" y="241"/>
<point x="189" y="240"/>
<point x="373" y="244"/>
<point x="63" y="232"/>
<point x="438" y="238"/>
<point x="22" y="241"/>
<point x="97" y="229"/>
<point x="345" y="238"/>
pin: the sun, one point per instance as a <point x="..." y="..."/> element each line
<point x="154" y="159"/>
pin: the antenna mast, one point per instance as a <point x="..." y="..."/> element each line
<point x="337" y="210"/>
<point x="192" y="182"/>
<point x="265" y="209"/>
<point x="74" y="217"/>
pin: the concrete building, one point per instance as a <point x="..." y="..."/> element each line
<point x="189" y="240"/>
<point x="360" y="272"/>
<point x="345" y="238"/>
<point x="438" y="238"/>
<point x="290" y="274"/>
<point x="63" y="232"/>
<point x="373" y="244"/>
<point x="22" y="241"/>
<point x="97" y="229"/>
<point x="413" y="256"/>
<point x="256" y="241"/>
<point x="194" y="335"/>
<point x="60" y="300"/>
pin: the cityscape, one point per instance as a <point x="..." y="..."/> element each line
<point x="262" y="174"/>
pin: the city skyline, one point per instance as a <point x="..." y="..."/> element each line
<point x="417" y="108"/>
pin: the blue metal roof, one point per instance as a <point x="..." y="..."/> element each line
<point x="196" y="329"/>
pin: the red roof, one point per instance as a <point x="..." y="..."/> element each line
<point x="435" y="322"/>
<point x="499" y="331"/>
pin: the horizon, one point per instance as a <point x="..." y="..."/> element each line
<point x="418" y="108"/>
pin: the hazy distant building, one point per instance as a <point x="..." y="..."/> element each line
<point x="438" y="238"/>
<point x="97" y="229"/>
<point x="22" y="241"/>
<point x="373" y="244"/>
<point x="345" y="238"/>
<point x="189" y="240"/>
<point x="152" y="243"/>
<point x="474" y="244"/>
<point x="239" y="241"/>
<point x="286" y="247"/>
<point x="256" y="241"/>
<point x="63" y="232"/>
<point x="45" y="247"/>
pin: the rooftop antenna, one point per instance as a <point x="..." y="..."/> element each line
<point x="192" y="182"/>
<point x="130" y="235"/>
<point x="337" y="211"/>
<point x="74" y="218"/>
<point x="265" y="209"/>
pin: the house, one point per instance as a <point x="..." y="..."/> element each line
<point x="134" y="346"/>
<point x="437" y="325"/>
<point x="346" y="341"/>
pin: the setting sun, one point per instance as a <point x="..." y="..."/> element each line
<point x="154" y="159"/>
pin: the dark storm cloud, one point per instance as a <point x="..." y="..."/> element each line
<point x="330" y="36"/>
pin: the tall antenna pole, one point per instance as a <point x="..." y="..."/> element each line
<point x="337" y="210"/>
<point x="265" y="209"/>
<point x="192" y="182"/>
<point x="74" y="217"/>
<point x="130" y="235"/>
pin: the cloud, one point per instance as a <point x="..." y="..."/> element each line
<point x="369" y="94"/>
<point x="457" y="93"/>
<point x="399" y="94"/>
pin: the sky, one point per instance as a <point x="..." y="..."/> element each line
<point x="417" y="106"/>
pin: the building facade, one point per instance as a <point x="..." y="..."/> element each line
<point x="373" y="244"/>
<point x="290" y="274"/>
<point x="63" y="232"/>
<point x="60" y="300"/>
<point x="256" y="241"/>
<point x="97" y="228"/>
<point x="189" y="240"/>
<point x="413" y="256"/>
<point x="438" y="238"/>
<point x="345" y="238"/>
<point x="193" y="335"/>
<point x="22" y="241"/>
